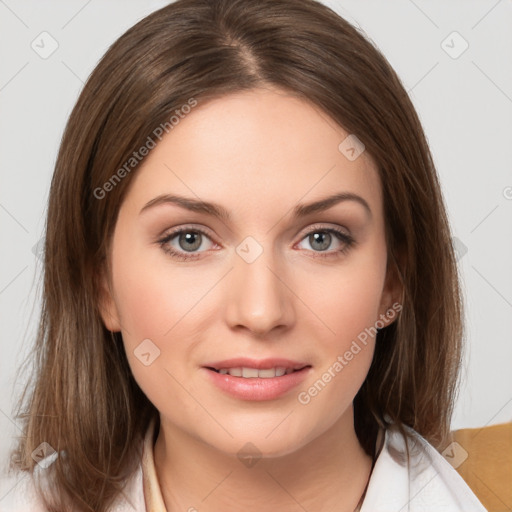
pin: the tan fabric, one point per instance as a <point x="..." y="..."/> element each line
<point x="488" y="466"/>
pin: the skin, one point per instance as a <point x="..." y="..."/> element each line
<point x="258" y="154"/>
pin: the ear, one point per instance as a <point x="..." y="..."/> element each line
<point x="392" y="293"/>
<point x="106" y="304"/>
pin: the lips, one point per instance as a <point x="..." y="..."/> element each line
<point x="252" y="379"/>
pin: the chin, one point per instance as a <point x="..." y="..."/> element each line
<point x="261" y="443"/>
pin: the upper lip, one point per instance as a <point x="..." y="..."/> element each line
<point x="261" y="364"/>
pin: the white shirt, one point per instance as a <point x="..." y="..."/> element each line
<point x="429" y="484"/>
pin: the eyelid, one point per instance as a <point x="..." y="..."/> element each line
<point x="187" y="227"/>
<point x="321" y="226"/>
<point x="207" y="232"/>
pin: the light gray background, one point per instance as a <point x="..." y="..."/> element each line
<point x="465" y="104"/>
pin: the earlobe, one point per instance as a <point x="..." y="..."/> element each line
<point x="389" y="314"/>
<point x="107" y="305"/>
<point x="391" y="299"/>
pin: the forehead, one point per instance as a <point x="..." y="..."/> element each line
<point x="254" y="150"/>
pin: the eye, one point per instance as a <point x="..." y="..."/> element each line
<point x="321" y="239"/>
<point x="183" y="243"/>
<point x="186" y="243"/>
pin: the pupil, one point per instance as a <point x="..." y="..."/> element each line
<point x="193" y="241"/>
<point x="323" y="238"/>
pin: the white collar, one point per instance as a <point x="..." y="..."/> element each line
<point x="428" y="483"/>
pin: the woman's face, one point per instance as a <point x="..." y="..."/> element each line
<point x="265" y="278"/>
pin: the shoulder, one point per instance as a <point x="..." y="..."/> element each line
<point x="424" y="483"/>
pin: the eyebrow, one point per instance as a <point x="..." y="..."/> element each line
<point x="215" y="210"/>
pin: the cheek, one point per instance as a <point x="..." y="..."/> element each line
<point x="153" y="307"/>
<point x="345" y="356"/>
<point x="346" y="300"/>
<point x="142" y="305"/>
<point x="348" y="304"/>
<point x="152" y="295"/>
<point x="163" y="304"/>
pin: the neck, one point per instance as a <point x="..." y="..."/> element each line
<point x="328" y="473"/>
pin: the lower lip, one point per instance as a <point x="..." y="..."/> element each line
<point x="256" y="388"/>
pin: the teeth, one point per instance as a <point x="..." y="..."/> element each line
<point x="236" y="372"/>
<point x="271" y="372"/>
<point x="251" y="373"/>
<point x="281" y="371"/>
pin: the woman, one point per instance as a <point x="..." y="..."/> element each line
<point x="250" y="293"/>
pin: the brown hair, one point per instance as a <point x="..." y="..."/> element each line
<point x="83" y="398"/>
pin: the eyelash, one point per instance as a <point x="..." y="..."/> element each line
<point x="348" y="241"/>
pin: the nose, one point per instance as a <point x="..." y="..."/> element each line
<point x="259" y="299"/>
